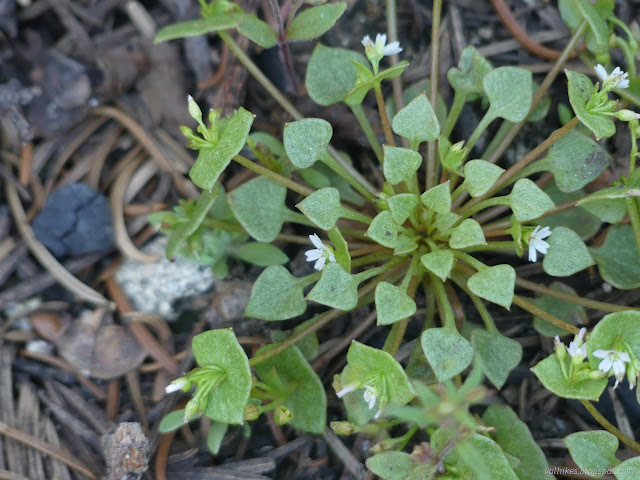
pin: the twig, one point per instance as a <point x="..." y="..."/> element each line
<point x="350" y="462"/>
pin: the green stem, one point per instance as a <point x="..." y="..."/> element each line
<point x="538" y="312"/>
<point x="431" y="171"/>
<point x="475" y="263"/>
<point x="546" y="83"/>
<point x="372" y="272"/>
<point x="468" y="210"/>
<point x="276" y="177"/>
<point x="411" y="271"/>
<point x="609" y="427"/>
<point x="567" y="297"/>
<point x="384" y="118"/>
<point x="365" y="124"/>
<point x="392" y="32"/>
<point x="497" y="139"/>
<point x="505" y="245"/>
<point x="454" y="114"/>
<point x="295" y="217"/>
<point x="482" y="126"/>
<point x="444" y="307"/>
<point x="253" y="69"/>
<point x="374" y="257"/>
<point x="523" y="162"/>
<point x="339" y="168"/>
<point x="628" y="55"/>
<point x="357" y="216"/>
<point x="634" y="217"/>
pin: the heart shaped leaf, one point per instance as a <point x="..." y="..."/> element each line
<point x="567" y="254"/>
<point x="500" y="85"/>
<point x="469" y="76"/>
<point x="384" y="230"/>
<point x="448" y="352"/>
<point x="580" y="90"/>
<point x="276" y="295"/>
<point x="438" y="198"/>
<point x="593" y="451"/>
<point x="467" y="234"/>
<point x="220" y="348"/>
<point x="498" y="354"/>
<point x="400" y="164"/>
<point x="417" y="122"/>
<point x="495" y="284"/>
<point x="439" y="262"/>
<point x="211" y="162"/>
<point x="479" y="176"/>
<point x="322" y="207"/>
<point x="393" y="304"/>
<point x="314" y="21"/>
<point x="402" y="205"/>
<point x="527" y="201"/>
<point x="336" y="288"/>
<point x="617" y="258"/>
<point x="612" y="329"/>
<point x="259" y="207"/>
<point x="305" y="141"/>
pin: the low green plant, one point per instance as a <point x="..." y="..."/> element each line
<point x="427" y="238"/>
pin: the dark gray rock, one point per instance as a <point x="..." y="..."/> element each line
<point x="75" y="220"/>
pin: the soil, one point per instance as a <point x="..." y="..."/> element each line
<point x="85" y="95"/>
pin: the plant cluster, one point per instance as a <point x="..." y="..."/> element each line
<point x="434" y="234"/>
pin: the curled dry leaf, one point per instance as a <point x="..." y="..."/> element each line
<point x="92" y="343"/>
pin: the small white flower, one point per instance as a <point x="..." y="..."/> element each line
<point x="347" y="389"/>
<point x="617" y="78"/>
<point x="369" y="396"/>
<point x="577" y="348"/>
<point x="537" y="243"/>
<point x="176" y="385"/>
<point x="380" y="49"/>
<point x="613" y="361"/>
<point x="320" y="254"/>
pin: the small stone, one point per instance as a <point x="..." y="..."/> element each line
<point x="75" y="220"/>
<point x="155" y="287"/>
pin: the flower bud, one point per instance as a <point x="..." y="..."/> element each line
<point x="251" y="412"/>
<point x="342" y="428"/>
<point x="194" y="110"/>
<point x="626" y="115"/>
<point x="282" y="415"/>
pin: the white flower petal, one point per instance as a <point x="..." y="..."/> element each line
<point x="320" y="263"/>
<point x="581" y="333"/>
<point x="313" y="255"/>
<point x="392" y="49"/>
<point x="315" y="239"/>
<point x="601" y="353"/>
<point x="606" y="364"/>
<point x="624" y="356"/>
<point x="618" y="367"/>
<point x="544" y="233"/>
<point x="601" y="72"/>
<point x="332" y="257"/>
<point x="624" y="83"/>
<point x="366" y="41"/>
<point x="533" y="256"/>
<point x="381" y="39"/>
<point x="345" y="390"/>
<point x="542" y="246"/>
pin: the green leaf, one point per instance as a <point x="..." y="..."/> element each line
<point x="550" y="374"/>
<point x="308" y="345"/>
<point x="306" y="140"/>
<point x="575" y="161"/>
<point x="438" y="198"/>
<point x="469" y="76"/>
<point x="232" y="132"/>
<point x="220" y="348"/>
<point x="276" y="295"/>
<point x="482" y="455"/>
<point x="498" y="354"/>
<point x="384" y="230"/>
<point x="598" y="26"/>
<point x="580" y="90"/>
<point x="527" y="201"/>
<point x="446" y="221"/>
<point x="617" y="192"/>
<point x="617" y="258"/>
<point x="172" y="421"/>
<point x="402" y="205"/>
<point x="182" y="232"/>
<point x="259" y="207"/>
<point x="404" y="245"/>
<point x="331" y="74"/>
<point x="612" y="329"/>
<point x="577" y="219"/>
<point x="336" y="288"/>
<point x="215" y="436"/>
<point x="500" y="85"/>
<point x="448" y="352"/>
<point x="314" y="21"/>
<point x="341" y="249"/>
<point x="305" y="396"/>
<point x="439" y="262"/>
<point x="322" y="207"/>
<point x="400" y="164"/>
<point x="368" y="362"/>
<point x="569" y="312"/>
<point x="514" y="437"/>
<point x="258" y="32"/>
<point x="480" y="176"/>
<point x="594" y="451"/>
<point x="193" y="28"/>
<point x="417" y="122"/>
<point x="567" y="254"/>
<point x="610" y="210"/>
<point x="261" y="254"/>
<point x="391" y="465"/>
<point x="628" y="470"/>
<point x="467" y="234"/>
<point x="367" y="81"/>
<point x="495" y="284"/>
<point x="393" y="304"/>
